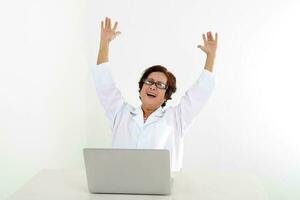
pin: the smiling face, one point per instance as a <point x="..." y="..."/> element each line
<point x="151" y="96"/>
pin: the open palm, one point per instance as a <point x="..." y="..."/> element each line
<point x="107" y="32"/>
<point x="210" y="43"/>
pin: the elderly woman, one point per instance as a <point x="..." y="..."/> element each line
<point x="151" y="125"/>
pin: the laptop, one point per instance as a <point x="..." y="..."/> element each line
<point x="128" y="171"/>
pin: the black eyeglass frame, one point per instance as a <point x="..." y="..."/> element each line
<point x="158" y="84"/>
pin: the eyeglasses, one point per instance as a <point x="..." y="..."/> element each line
<point x="158" y="84"/>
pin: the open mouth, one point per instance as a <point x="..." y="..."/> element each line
<point x="150" y="94"/>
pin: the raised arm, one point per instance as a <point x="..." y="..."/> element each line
<point x="109" y="95"/>
<point x="107" y="35"/>
<point x="196" y="97"/>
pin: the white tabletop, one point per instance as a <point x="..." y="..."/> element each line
<point x="212" y="185"/>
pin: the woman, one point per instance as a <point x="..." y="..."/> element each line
<point x="150" y="126"/>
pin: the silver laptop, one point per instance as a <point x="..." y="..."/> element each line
<point x="133" y="171"/>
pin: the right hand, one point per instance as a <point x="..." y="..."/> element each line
<point x="108" y="33"/>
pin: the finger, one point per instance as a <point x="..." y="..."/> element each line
<point x="216" y="37"/>
<point x="201" y="47"/>
<point x="102" y="25"/>
<point x="115" y="26"/>
<point x="204" y="38"/>
<point x="118" y="33"/>
<point x="109" y="24"/>
<point x="106" y="22"/>
<point x="209" y="36"/>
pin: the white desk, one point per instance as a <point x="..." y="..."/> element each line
<point x="71" y="185"/>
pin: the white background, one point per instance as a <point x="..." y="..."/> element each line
<point x="49" y="110"/>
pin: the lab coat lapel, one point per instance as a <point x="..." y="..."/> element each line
<point x="155" y="116"/>
<point x="137" y="116"/>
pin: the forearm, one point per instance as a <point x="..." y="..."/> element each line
<point x="209" y="63"/>
<point x="103" y="54"/>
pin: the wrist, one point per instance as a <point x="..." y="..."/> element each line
<point x="104" y="43"/>
<point x="211" y="55"/>
<point x="208" y="68"/>
<point x="209" y="63"/>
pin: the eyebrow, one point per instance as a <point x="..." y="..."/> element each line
<point x="156" y="81"/>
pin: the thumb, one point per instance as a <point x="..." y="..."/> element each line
<point x="201" y="47"/>
<point x="118" y="33"/>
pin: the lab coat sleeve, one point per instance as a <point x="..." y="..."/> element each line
<point x="194" y="100"/>
<point x="109" y="95"/>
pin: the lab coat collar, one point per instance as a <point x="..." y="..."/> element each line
<point x="138" y="116"/>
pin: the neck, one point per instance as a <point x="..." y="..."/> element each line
<point x="147" y="112"/>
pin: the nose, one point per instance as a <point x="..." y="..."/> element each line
<point x="153" y="87"/>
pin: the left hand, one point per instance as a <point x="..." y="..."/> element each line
<point x="210" y="43"/>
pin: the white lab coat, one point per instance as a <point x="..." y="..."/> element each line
<point x="164" y="128"/>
